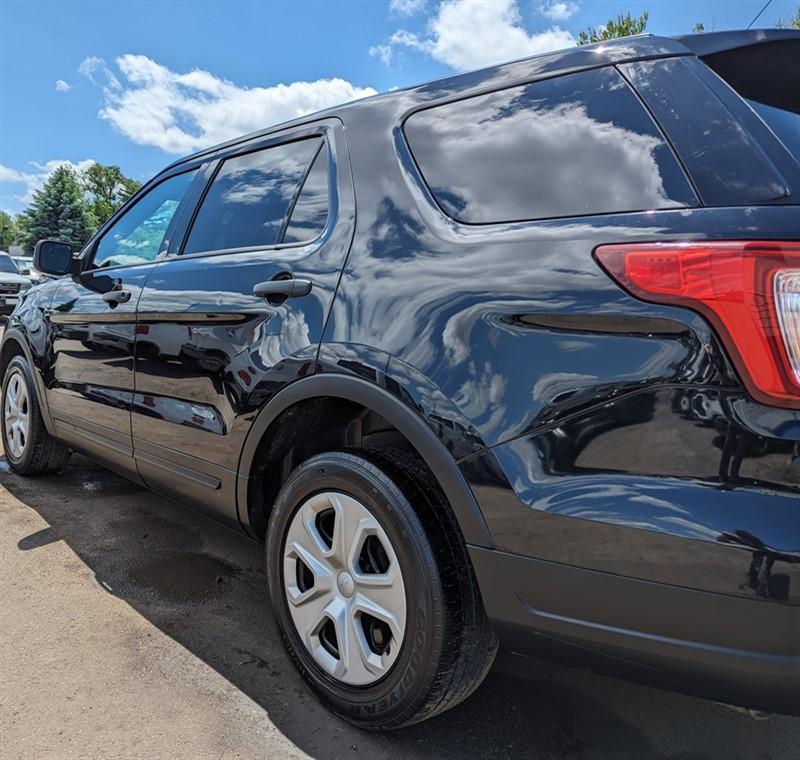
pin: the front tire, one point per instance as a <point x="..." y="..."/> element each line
<point x="376" y="599"/>
<point x="28" y="447"/>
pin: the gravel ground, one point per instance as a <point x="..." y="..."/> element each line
<point x="131" y="627"/>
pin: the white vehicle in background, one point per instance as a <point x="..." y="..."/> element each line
<point x="25" y="267"/>
<point x="12" y="284"/>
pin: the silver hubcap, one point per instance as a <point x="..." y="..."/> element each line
<point x="16" y="415"/>
<point x="345" y="588"/>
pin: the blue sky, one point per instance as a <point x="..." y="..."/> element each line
<point x="140" y="83"/>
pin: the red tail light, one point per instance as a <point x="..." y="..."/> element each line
<point x="748" y="290"/>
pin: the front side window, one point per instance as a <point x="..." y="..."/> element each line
<point x="250" y="197"/>
<point x="572" y="145"/>
<point x="139" y="234"/>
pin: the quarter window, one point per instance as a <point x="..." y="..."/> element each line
<point x="310" y="213"/>
<point x="250" y="198"/>
<point x="568" y="146"/>
<point x="139" y="235"/>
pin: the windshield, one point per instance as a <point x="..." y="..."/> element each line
<point x="7" y="265"/>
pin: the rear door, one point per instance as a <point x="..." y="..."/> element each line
<point x="92" y="323"/>
<point x="239" y="312"/>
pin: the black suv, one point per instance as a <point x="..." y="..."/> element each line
<point x="509" y="357"/>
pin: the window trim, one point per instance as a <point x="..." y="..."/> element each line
<point x="325" y="131"/>
<point x="406" y="154"/>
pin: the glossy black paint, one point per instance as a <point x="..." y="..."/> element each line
<point x="592" y="430"/>
<point x="90" y="378"/>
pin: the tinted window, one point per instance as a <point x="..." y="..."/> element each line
<point x="249" y="198"/>
<point x="572" y="145"/>
<point x="139" y="234"/>
<point x="724" y="160"/>
<point x="784" y="123"/>
<point x="7" y="265"/>
<point x="310" y="212"/>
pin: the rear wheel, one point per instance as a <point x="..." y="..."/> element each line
<point x="29" y="448"/>
<point x="373" y="591"/>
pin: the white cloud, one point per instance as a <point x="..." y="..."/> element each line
<point x="180" y="113"/>
<point x="558" y="10"/>
<point x="92" y="66"/>
<point x="384" y="52"/>
<point x="32" y="181"/>
<point x="469" y="34"/>
<point x="62" y="86"/>
<point x="406" y="7"/>
<point x="7" y="174"/>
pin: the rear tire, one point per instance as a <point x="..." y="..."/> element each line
<point x="446" y="646"/>
<point x="28" y="447"/>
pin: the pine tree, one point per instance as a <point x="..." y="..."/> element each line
<point x="58" y="211"/>
<point x="623" y="26"/>
<point x="793" y="22"/>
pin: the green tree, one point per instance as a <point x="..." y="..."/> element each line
<point x="107" y="189"/>
<point x="58" y="211"/>
<point x="793" y="22"/>
<point x="8" y="231"/>
<point x="623" y="26"/>
<point x="699" y="27"/>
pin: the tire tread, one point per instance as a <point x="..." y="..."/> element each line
<point x="472" y="644"/>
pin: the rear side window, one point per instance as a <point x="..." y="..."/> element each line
<point x="568" y="146"/>
<point x="250" y="198"/>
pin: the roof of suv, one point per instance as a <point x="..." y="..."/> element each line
<point x="625" y="49"/>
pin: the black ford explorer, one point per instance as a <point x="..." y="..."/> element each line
<point x="508" y="358"/>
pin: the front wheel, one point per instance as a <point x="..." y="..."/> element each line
<point x="29" y="448"/>
<point x="373" y="591"/>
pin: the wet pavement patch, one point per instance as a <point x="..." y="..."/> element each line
<point x="182" y="577"/>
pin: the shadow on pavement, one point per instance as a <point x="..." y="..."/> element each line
<point x="203" y="585"/>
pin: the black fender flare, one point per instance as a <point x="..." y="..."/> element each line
<point x="407" y="421"/>
<point x="16" y="335"/>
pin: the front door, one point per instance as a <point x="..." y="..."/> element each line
<point x="93" y="323"/>
<point x="240" y="312"/>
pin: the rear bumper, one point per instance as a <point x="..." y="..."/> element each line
<point x="687" y="487"/>
<point x="738" y="651"/>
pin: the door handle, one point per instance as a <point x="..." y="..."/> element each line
<point x="115" y="297"/>
<point x="289" y="288"/>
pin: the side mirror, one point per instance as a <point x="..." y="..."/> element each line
<point x="53" y="257"/>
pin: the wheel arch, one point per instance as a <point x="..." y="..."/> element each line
<point x="14" y="344"/>
<point x="400" y="416"/>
